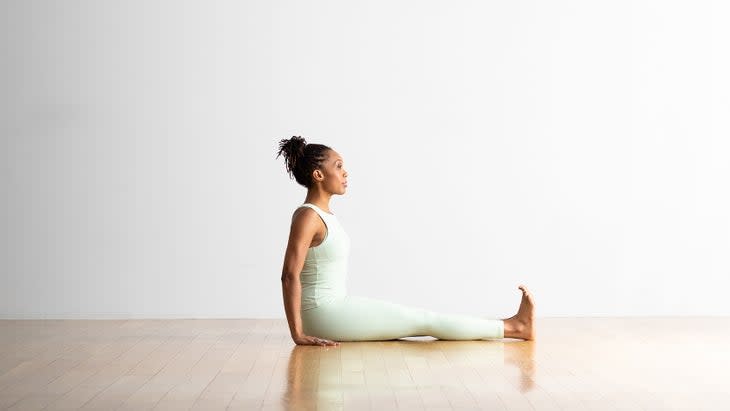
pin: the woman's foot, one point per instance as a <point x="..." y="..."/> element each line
<point x="520" y="325"/>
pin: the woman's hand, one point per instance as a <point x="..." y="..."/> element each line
<point x="310" y="340"/>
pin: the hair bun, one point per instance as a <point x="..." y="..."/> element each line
<point x="292" y="149"/>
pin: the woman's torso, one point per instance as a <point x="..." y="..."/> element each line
<point x="324" y="274"/>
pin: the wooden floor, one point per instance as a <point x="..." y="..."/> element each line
<point x="574" y="364"/>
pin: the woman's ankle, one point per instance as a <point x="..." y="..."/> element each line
<point x="509" y="327"/>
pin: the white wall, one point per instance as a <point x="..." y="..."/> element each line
<point x="580" y="148"/>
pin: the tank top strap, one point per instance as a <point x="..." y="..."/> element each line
<point x="325" y="215"/>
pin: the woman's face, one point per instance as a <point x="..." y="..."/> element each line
<point x="335" y="176"/>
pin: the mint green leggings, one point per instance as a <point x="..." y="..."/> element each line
<point x="353" y="318"/>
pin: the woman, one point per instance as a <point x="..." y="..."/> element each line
<point x="317" y="306"/>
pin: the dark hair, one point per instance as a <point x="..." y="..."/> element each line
<point x="302" y="158"/>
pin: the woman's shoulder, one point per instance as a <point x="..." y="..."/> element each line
<point x="304" y="213"/>
<point x="306" y="223"/>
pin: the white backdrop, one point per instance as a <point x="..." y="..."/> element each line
<point x="580" y="148"/>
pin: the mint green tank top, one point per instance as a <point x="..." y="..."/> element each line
<point x="324" y="274"/>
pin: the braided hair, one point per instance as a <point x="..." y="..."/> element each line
<point x="302" y="158"/>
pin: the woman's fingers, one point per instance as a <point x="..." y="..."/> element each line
<point x="324" y="341"/>
<point x="311" y="340"/>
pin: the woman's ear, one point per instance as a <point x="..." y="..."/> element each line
<point x="318" y="174"/>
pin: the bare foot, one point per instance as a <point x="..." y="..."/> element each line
<point x="520" y="325"/>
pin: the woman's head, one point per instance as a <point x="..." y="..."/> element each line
<point x="314" y="165"/>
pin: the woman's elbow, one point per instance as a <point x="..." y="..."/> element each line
<point x="289" y="277"/>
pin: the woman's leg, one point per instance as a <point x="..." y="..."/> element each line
<point x="354" y="318"/>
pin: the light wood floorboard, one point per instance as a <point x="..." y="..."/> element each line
<point x="664" y="363"/>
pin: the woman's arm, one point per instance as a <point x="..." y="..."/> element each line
<point x="303" y="228"/>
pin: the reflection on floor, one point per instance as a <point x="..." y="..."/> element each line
<point x="575" y="364"/>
